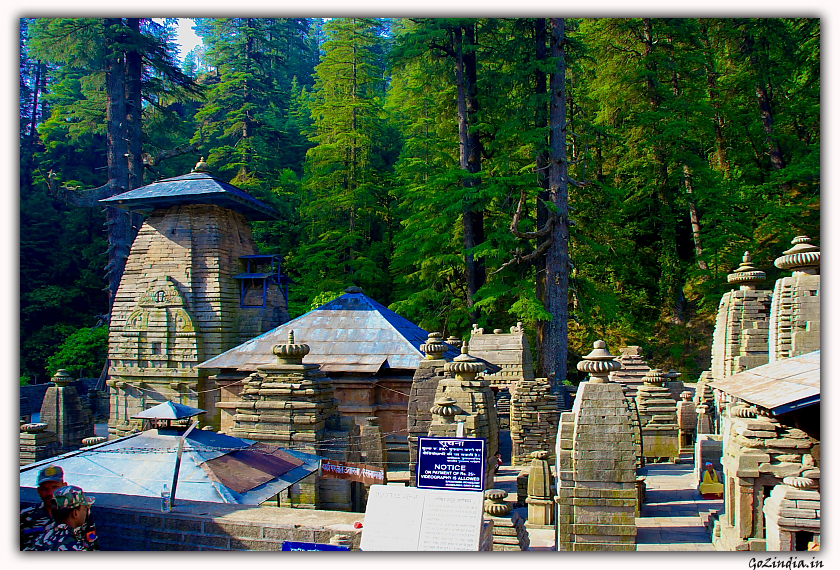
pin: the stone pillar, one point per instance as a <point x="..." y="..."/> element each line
<point x="65" y="414"/>
<point x="534" y="417"/>
<point x="422" y="395"/>
<point x="795" y="311"/>
<point x="658" y="417"/>
<point x="291" y="404"/>
<point x="36" y="443"/>
<point x="540" y="503"/>
<point x="474" y="397"/>
<point x="596" y="464"/>
<point x="687" y="421"/>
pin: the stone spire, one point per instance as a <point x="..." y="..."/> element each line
<point x="475" y="399"/>
<point x="658" y="416"/>
<point x="292" y="404"/>
<point x="746" y="275"/>
<point x="596" y="464"/>
<point x="65" y="414"/>
<point x="422" y="395"/>
<point x="795" y="310"/>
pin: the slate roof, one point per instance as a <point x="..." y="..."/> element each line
<point x="192" y="188"/>
<point x="215" y="468"/>
<point x="353" y="333"/>
<point x="781" y="386"/>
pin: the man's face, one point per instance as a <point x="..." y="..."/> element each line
<point x="47" y="488"/>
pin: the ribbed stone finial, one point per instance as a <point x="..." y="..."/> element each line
<point x="446" y="408"/>
<point x="802" y="258"/>
<point x="464" y="366"/>
<point x="434" y="347"/>
<point x="655" y="377"/>
<point x="686" y="396"/>
<point x="672" y="374"/>
<point x="746" y="275"/>
<point x="799" y="482"/>
<point x="291" y="353"/>
<point x="62" y="378"/>
<point x="494" y="503"/>
<point x="454" y="341"/>
<point x="353" y="289"/>
<point x="201" y="166"/>
<point x="599" y="363"/>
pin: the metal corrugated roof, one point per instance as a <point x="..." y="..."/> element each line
<point x="140" y="464"/>
<point x="353" y="333"/>
<point x="779" y="386"/>
<point x="192" y="188"/>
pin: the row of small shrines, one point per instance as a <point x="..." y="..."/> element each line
<point x="624" y="415"/>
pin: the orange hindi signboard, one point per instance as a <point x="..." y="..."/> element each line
<point x="332" y="469"/>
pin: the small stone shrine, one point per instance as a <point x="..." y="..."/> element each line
<point x="193" y="287"/>
<point x="658" y="418"/>
<point x="740" y="337"/>
<point x="632" y="371"/>
<point x="509" y="531"/>
<point x="704" y="401"/>
<point x="470" y="400"/>
<point x="795" y="311"/>
<point x="292" y="404"/>
<point x="759" y="452"/>
<point x="535" y="414"/>
<point x="36" y="443"/>
<point x="65" y="414"/>
<point x="540" y="502"/>
<point x="674" y="384"/>
<point x="792" y="514"/>
<point x="510" y="351"/>
<point x="687" y="422"/>
<point x="596" y="467"/>
<point x="422" y="396"/>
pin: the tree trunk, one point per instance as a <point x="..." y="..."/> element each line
<point x="695" y="221"/>
<point x="540" y="122"/>
<point x="470" y="159"/>
<point x="557" y="257"/>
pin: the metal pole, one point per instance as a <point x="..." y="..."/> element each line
<point x="178" y="462"/>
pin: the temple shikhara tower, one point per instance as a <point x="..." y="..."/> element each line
<point x="194" y="286"/>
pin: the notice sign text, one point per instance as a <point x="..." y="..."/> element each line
<point x="455" y="464"/>
<point x="367" y="474"/>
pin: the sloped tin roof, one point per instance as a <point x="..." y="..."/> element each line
<point x="353" y="333"/>
<point x="781" y="386"/>
<point x="215" y="468"/>
<point x="192" y="188"/>
<point x="169" y="411"/>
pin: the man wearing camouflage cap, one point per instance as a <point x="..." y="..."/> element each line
<point x="70" y="509"/>
<point x="35" y="521"/>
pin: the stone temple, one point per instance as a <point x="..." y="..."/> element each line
<point x="194" y="285"/>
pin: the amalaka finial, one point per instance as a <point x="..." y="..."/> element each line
<point x="201" y="166"/>
<point x="802" y="258"/>
<point x="746" y="275"/>
<point x="599" y="363"/>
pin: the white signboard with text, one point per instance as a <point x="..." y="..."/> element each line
<point x="410" y="519"/>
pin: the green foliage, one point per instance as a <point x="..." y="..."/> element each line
<point x="323" y="298"/>
<point x="84" y="352"/>
<point x="348" y="128"/>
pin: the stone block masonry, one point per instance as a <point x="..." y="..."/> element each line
<point x="596" y="487"/>
<point x="178" y="304"/>
<point x="136" y="524"/>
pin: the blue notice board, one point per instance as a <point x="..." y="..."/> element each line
<point x="451" y="463"/>
<point x="289" y="546"/>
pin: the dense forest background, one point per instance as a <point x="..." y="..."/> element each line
<point x="688" y="141"/>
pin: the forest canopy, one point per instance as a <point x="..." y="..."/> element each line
<point x="399" y="152"/>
